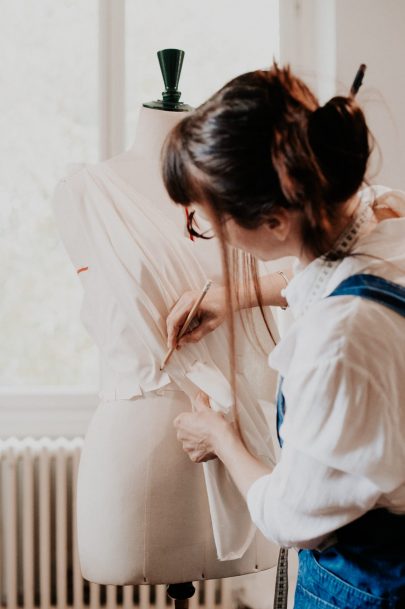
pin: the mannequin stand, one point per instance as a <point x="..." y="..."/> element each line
<point x="180" y="593"/>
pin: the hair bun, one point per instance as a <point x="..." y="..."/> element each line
<point x="338" y="136"/>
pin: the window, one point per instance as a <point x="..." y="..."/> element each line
<point x="220" y="40"/>
<point x="64" y="89"/>
<point x="48" y="114"/>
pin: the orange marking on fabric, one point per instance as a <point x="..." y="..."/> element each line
<point x="83" y="268"/>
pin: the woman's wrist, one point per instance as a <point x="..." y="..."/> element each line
<point x="222" y="434"/>
<point x="243" y="467"/>
<point x="285" y="278"/>
<point x="271" y="287"/>
<point x="229" y="445"/>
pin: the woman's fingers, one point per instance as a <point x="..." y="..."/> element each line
<point x="205" y="326"/>
<point x="211" y="314"/>
<point x="201" y="402"/>
<point x="176" y="319"/>
<point x="179" y="420"/>
<point x="199" y="457"/>
<point x="199" y="430"/>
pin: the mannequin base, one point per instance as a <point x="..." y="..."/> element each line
<point x="180" y="593"/>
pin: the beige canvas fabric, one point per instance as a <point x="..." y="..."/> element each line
<point x="145" y="513"/>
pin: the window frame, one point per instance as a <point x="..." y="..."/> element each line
<point x="111" y="81"/>
<point x="65" y="410"/>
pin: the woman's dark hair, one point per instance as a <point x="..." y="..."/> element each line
<point x="261" y="143"/>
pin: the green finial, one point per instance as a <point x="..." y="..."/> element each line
<point x="171" y="62"/>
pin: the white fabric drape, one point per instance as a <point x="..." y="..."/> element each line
<point x="137" y="252"/>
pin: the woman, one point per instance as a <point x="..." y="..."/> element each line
<point x="278" y="175"/>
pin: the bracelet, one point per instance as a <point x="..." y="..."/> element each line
<point x="286" y="284"/>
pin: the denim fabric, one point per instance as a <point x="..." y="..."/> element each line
<point x="280" y="403"/>
<point x="375" y="288"/>
<point x="318" y="588"/>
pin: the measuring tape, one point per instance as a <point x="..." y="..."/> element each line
<point x="281" y="589"/>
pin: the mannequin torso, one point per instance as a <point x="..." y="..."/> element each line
<point x="142" y="508"/>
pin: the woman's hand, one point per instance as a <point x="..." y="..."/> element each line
<point x="206" y="434"/>
<point x="210" y="314"/>
<point x="212" y="311"/>
<point x="201" y="431"/>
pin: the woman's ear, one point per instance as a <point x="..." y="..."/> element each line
<point x="279" y="224"/>
<point x="273" y="222"/>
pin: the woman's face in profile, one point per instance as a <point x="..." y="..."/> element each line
<point x="266" y="242"/>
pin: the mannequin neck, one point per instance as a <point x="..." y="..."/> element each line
<point x="151" y="129"/>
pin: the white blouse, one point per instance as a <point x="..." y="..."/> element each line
<point x="344" y="387"/>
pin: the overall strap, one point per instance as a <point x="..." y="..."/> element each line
<point x="280" y="404"/>
<point x="372" y="287"/>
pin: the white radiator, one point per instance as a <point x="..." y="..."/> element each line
<point x="39" y="565"/>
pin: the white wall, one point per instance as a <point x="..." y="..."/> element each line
<point x="373" y="31"/>
<point x="326" y="40"/>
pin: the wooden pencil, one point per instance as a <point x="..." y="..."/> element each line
<point x="188" y="321"/>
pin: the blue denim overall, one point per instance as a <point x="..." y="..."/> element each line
<point x="365" y="568"/>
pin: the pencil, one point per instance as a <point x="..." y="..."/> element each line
<point x="188" y="321"/>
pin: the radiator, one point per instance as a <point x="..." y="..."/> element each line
<point x="39" y="564"/>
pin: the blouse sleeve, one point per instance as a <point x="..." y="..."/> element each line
<point x="339" y="414"/>
<point x="340" y="453"/>
<point x="303" y="501"/>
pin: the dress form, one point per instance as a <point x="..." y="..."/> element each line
<point x="142" y="509"/>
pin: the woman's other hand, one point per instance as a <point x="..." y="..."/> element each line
<point x="206" y="434"/>
<point x="200" y="431"/>
<point x="210" y="314"/>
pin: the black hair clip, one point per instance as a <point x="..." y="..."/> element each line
<point x="358" y="80"/>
